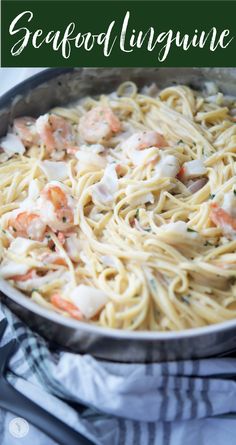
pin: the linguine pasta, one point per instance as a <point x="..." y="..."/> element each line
<point x="121" y="210"/>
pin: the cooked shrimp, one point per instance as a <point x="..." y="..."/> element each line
<point x="27" y="225"/>
<point x="59" y="261"/>
<point x="61" y="237"/>
<point x="144" y="139"/>
<point x="55" y="132"/>
<point x="66" y="306"/>
<point x="56" y="206"/>
<point x="181" y="174"/>
<point x="25" y="128"/>
<point x="223" y="219"/>
<point x="98" y="124"/>
<point x="25" y="277"/>
<point x="53" y="258"/>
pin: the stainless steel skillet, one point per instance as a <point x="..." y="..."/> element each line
<point x="60" y="86"/>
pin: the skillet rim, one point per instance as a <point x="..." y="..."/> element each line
<point x="22" y="88"/>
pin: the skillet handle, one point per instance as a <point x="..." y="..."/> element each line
<point x="16" y="402"/>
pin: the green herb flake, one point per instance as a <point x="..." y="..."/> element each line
<point x="4" y="231"/>
<point x="235" y="192"/>
<point x="180" y="142"/>
<point x="14" y="229"/>
<point x="137" y="214"/>
<point x="207" y="243"/>
<point x="64" y="219"/>
<point x="34" y="289"/>
<point x="185" y="299"/>
<point x="212" y="196"/>
<point x="191" y="230"/>
<point x="153" y="284"/>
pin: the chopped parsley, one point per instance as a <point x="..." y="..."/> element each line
<point x="137" y="214"/>
<point x="180" y="142"/>
<point x="235" y="192"/>
<point x="191" y="230"/>
<point x="212" y="196"/>
<point x="14" y="229"/>
<point x="153" y="284"/>
<point x="64" y="219"/>
<point x="186" y="299"/>
<point x="35" y="289"/>
<point x="4" y="231"/>
<point x="207" y="244"/>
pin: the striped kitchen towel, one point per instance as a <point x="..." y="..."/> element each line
<point x="142" y="404"/>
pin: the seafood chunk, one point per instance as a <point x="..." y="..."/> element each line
<point x="27" y="225"/>
<point x="98" y="124"/>
<point x="56" y="206"/>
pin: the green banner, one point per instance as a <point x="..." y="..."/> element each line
<point x="117" y="33"/>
